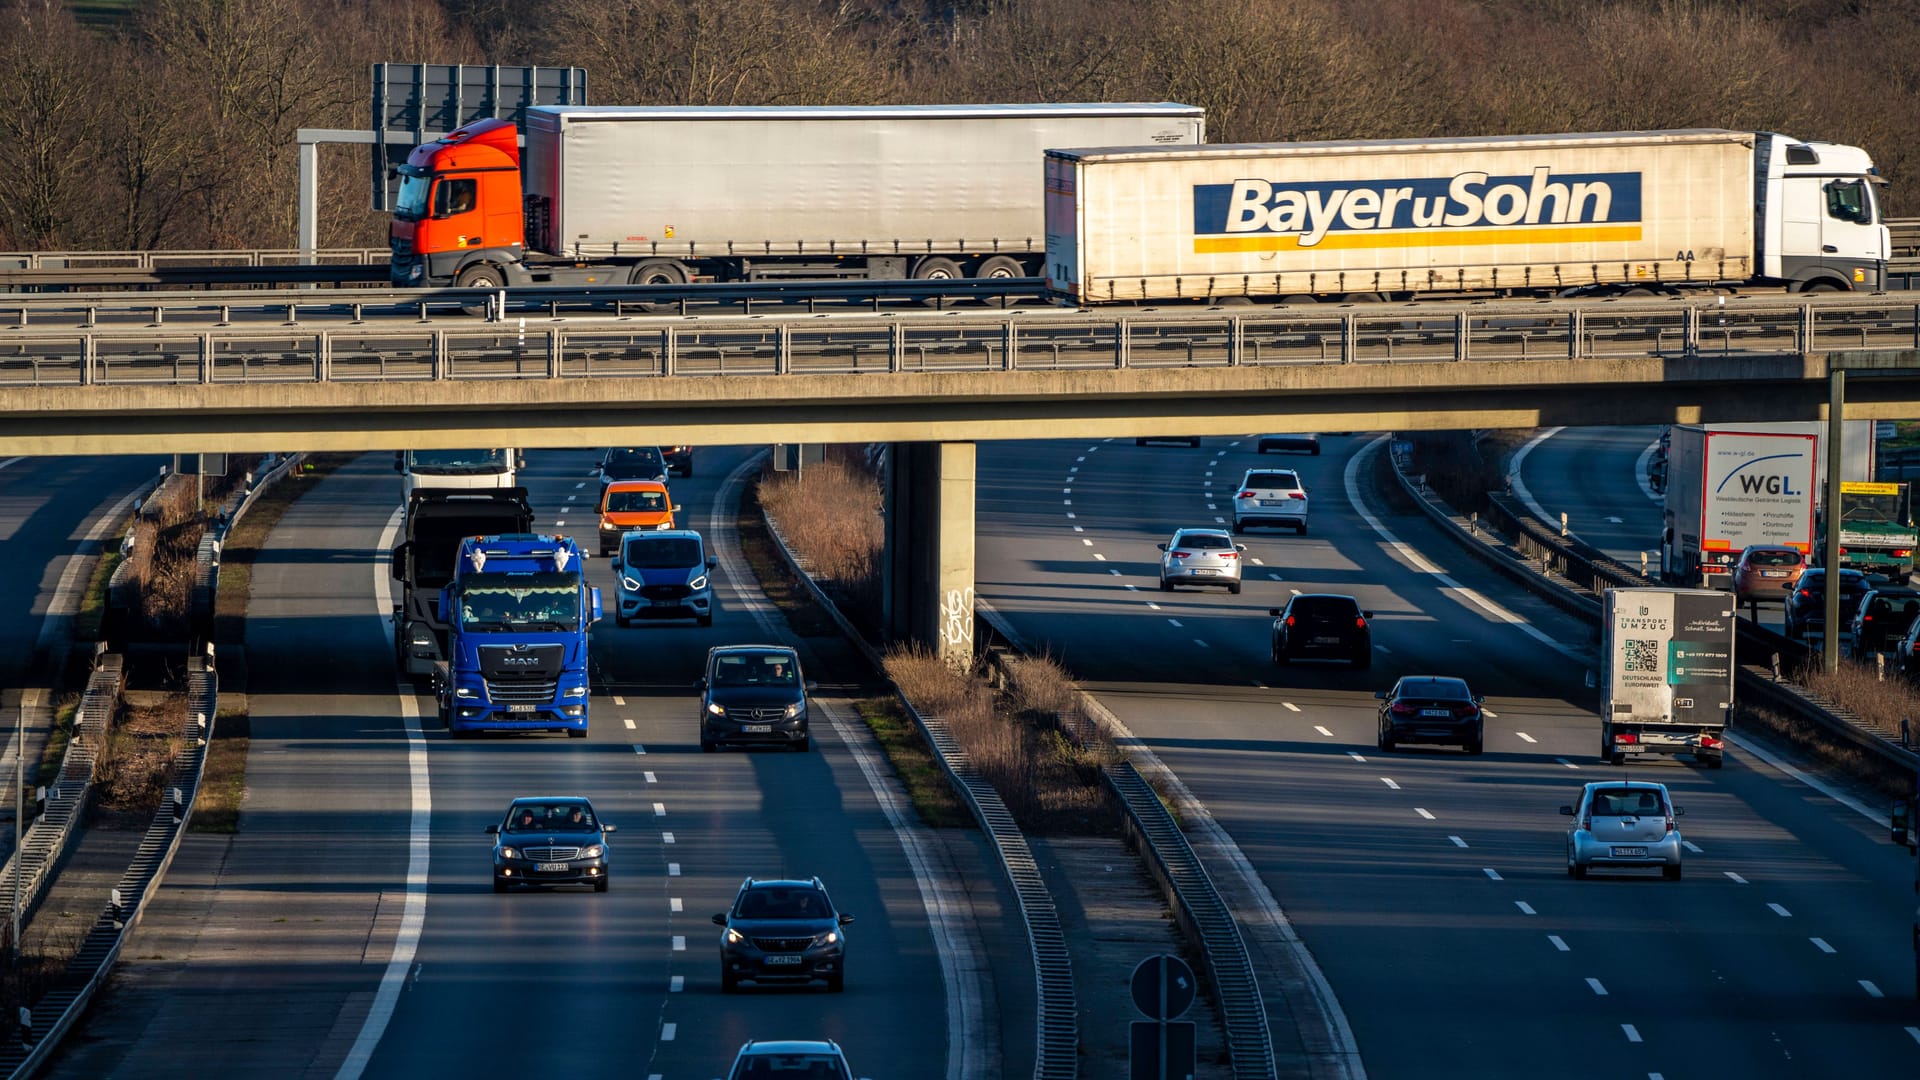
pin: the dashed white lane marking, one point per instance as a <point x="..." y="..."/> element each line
<point x="666" y="838"/>
<point x="1079" y="528"/>
<point x="1066" y="491"/>
<point x="1175" y="622"/>
<point x="679" y="943"/>
<point x="1355" y="755"/>
<point x="580" y="485"/>
<point x="650" y="778"/>
<point x="675" y="985"/>
<point x="1457" y="842"/>
<point x="1275" y="577"/>
<point x="1097" y="557"/>
<point x="1384" y="649"/>
<point x="1524" y="737"/>
<point x="1086" y="541"/>
<point x="1872" y="990"/>
<point x="1257" y="562"/>
<point x="562" y="522"/>
<point x="570" y="498"/>
<point x="1212" y="506"/>
<point x="659" y="809"/>
<point x="1780" y="911"/>
<point x="1735" y="878"/>
<point x="1915" y="1032"/>
<point x="639" y="749"/>
<point x="1656" y="1076"/>
<point x="1420" y="562"/>
<point x="1423" y="812"/>
<point x="1219" y="521"/>
<point x="1200" y="643"/>
<point x="673" y="869"/>
<point x="1115" y="571"/>
<point x="1821" y="944"/>
<point x="668" y="1031"/>
<point x="1291" y="707"/>
<point x="1599" y="990"/>
<point x="674" y="904"/>
<point x="1153" y="605"/>
<point x="1557" y="943"/>
<point x="1207" y="483"/>
<point x="1130" y="588"/>
<point x="1066" y="502"/>
<point x="1320" y="729"/>
<point x="1491" y="715"/>
<point x="1388" y="780"/>
<point x="1492" y="874"/>
<point x="1210" y="473"/>
<point x="628" y="721"/>
<point x="622" y="702"/>
<point x="1083" y="457"/>
<point x="1633" y="1033"/>
<point x="1693" y="847"/>
<point x="1070" y="515"/>
<point x="1567" y="763"/>
<point x="1073" y="468"/>
<point x="1525" y="908"/>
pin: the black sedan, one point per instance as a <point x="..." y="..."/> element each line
<point x="1431" y="709"/>
<point x="550" y="840"/>
<point x="1322" y="626"/>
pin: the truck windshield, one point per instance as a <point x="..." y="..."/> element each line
<point x="456" y="462"/>
<point x="1859" y="507"/>
<point x="511" y="601"/>
<point x="412" y="203"/>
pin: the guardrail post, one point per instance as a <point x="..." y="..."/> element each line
<point x="1690" y="330"/>
<point x="89" y="352"/>
<point x="1805" y="330"/>
<point x="206" y="358"/>
<point x="783" y="350"/>
<point x="669" y="350"/>
<point x="442" y="361"/>
<point x="1235" y="330"/>
<point x="1007" y="344"/>
<point x="1462" y="325"/>
<point x="323" y="356"/>
<point x="555" y="353"/>
<point x="1119" y="343"/>
<point x="896" y="346"/>
<point x="1349" y="337"/>
<point x="293" y="315"/>
<point x="1576" y="329"/>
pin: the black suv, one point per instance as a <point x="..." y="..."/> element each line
<point x="753" y="694"/>
<point x="1807" y="604"/>
<point x="550" y="841"/>
<point x="1883" y="618"/>
<point x="679" y="459"/>
<point x="632" y="463"/>
<point x="782" y="931"/>
<point x="1322" y="625"/>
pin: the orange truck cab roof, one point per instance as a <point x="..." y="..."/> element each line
<point x="479" y="145"/>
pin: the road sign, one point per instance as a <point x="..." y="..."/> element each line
<point x="427" y="100"/>
<point x="1161" y="1050"/>
<point x="1163" y="987"/>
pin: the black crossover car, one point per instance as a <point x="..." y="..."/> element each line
<point x="753" y="694"/>
<point x="1807" y="605"/>
<point x="1322" y="626"/>
<point x="551" y="840"/>
<point x="782" y="931"/>
<point x="1431" y="709"/>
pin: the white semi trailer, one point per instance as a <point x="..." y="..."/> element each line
<point x="1608" y="213"/>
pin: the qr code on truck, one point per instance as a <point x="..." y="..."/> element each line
<point x="1642" y="655"/>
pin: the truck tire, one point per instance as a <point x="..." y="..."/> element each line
<point x="479" y="276"/>
<point x="659" y="272"/>
<point x="937" y="268"/>
<point x="999" y="266"/>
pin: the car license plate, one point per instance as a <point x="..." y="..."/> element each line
<point x="783" y="959"/>
<point x="666" y="603"/>
<point x="551" y="867"/>
<point x="757" y="729"/>
<point x="1435" y="712"/>
<point x="1624" y="851"/>
<point x="1205" y="570"/>
<point x="1773" y="573"/>
<point x="1273" y="502"/>
<point x="1326" y="641"/>
<point x="522" y="708"/>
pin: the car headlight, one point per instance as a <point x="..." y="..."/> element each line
<point x="630" y="584"/>
<point x="735" y="937"/>
<point x="593" y="851"/>
<point x="608" y="526"/>
<point x="463" y="692"/>
<point x="509" y="853"/>
<point x="829" y="938"/>
<point x="663" y="526"/>
<point x="575" y="691"/>
<point x="717" y="710"/>
<point x="698" y="583"/>
<point x="796" y="709"/>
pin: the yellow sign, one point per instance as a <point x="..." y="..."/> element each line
<point x="1863" y="487"/>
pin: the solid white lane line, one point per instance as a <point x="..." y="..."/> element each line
<point x="1457" y="842"/>
<point x="1200" y="643"/>
<point x="1423" y="812"/>
<point x="675" y="985"/>
<point x="1598" y="990"/>
<point x="1525" y="908"/>
<point x="1633" y="1033"/>
<point x="1420" y="562"/>
<point x="1320" y="729"/>
<point x="1492" y="874"/>
<point x="673" y="869"/>
<point x="1835" y="794"/>
<point x="659" y="809"/>
<point x="679" y="943"/>
<point x="1557" y="943"/>
<point x="1821" y="944"/>
<point x="1872" y="990"/>
<point x="1567" y="763"/>
<point x="1693" y="847"/>
<point x="628" y="721"/>
<point x="650" y="778"/>
<point x="668" y="1031"/>
<point x="1518" y="485"/>
<point x="674" y="904"/>
<point x="1528" y="738"/>
<point x="666" y="838"/>
<point x="413" y="915"/>
<point x="1780" y="911"/>
<point x="1355" y="755"/>
<point x="1291" y="707"/>
<point x="1735" y="878"/>
<point x="1388" y="780"/>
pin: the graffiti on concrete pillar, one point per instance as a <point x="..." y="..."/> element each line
<point x="956" y="623"/>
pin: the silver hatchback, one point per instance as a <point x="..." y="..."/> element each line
<point x="1201" y="557"/>
<point x="1623" y="823"/>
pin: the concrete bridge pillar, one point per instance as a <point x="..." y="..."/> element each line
<point x="928" y="571"/>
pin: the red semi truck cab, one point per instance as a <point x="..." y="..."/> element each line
<point x="458" y="219"/>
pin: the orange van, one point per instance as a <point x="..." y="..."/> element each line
<point x="626" y="505"/>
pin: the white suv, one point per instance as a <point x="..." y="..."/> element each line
<point x="1271" y="497"/>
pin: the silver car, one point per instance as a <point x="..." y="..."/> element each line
<point x="1270" y="497"/>
<point x="1201" y="557"/>
<point x="1623" y="823"/>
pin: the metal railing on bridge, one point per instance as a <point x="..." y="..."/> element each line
<point x="970" y="341"/>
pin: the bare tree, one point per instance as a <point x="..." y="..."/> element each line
<point x="49" y="113"/>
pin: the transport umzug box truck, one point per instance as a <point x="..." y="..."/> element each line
<point x="1730" y="490"/>
<point x="423" y="562"/>
<point x="518" y="612"/>
<point x="1668" y="680"/>
<point x="1608" y="213"/>
<point x="665" y="195"/>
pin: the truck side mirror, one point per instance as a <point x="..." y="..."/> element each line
<point x="1902" y="818"/>
<point x="398" y="566"/>
<point x="400" y="461"/>
<point x="596" y="603"/>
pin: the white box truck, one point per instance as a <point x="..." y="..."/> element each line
<point x="1668" y="682"/>
<point x="1616" y="212"/>
<point x="1730" y="490"/>
<point x="670" y="194"/>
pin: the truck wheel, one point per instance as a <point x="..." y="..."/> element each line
<point x="1000" y="266"/>
<point x="659" y="272"/>
<point x="937" y="268"/>
<point x="479" y="276"/>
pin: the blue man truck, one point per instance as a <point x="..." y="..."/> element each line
<point x="517" y="611"/>
<point x="437" y="520"/>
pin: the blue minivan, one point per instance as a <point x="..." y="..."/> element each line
<point x="664" y="575"/>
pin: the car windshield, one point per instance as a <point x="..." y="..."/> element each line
<point x="512" y="601"/>
<point x="1446" y="689"/>
<point x="663" y="553"/>
<point x="1773" y="558"/>
<point x="1203" y="541"/>
<point x="1331" y="607"/>
<point x="790" y="1067"/>
<point x="1282" y="481"/>
<point x="622" y="464"/>
<point x="636" y="502"/>
<point x="783" y="902"/>
<point x="550" y="817"/>
<point x="754" y="669"/>
<point x="1628" y="802"/>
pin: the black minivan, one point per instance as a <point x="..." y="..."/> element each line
<point x="753" y="695"/>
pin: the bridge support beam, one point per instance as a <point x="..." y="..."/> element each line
<point x="927" y="574"/>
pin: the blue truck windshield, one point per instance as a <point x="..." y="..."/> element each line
<point x="519" y="601"/>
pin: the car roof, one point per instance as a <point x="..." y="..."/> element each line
<point x="782" y="883"/>
<point x="637" y="485"/>
<point x="1262" y="468"/>
<point x="1638" y="785"/>
<point x="1409" y="681"/>
<point x="790" y="1046"/>
<point x="581" y="799"/>
<point x="666" y="534"/>
<point x="726" y="650"/>
<point x="1343" y="596"/>
<point x="1206" y="530"/>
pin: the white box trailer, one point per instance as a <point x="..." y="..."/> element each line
<point x="813" y="186"/>
<point x="1528" y="214"/>
<point x="1668" y="682"/>
<point x="1729" y="490"/>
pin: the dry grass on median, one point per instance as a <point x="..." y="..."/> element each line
<point x="829" y="514"/>
<point x="223" y="782"/>
<point x="130" y="772"/>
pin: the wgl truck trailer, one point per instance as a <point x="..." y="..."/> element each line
<point x="1729" y="490"/>
<point x="1607" y="213"/>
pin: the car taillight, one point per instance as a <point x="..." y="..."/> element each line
<point x="1806" y="592"/>
<point x="1296" y="495"/>
<point x="1709" y="741"/>
<point x="1360" y="623"/>
<point x="1401" y="708"/>
<point x="1670" y="825"/>
<point x="1248" y="494"/>
<point x="1289" y="620"/>
<point x="1466" y="709"/>
<point x="1626" y="737"/>
<point x="1901" y="553"/>
<point x="1229" y="554"/>
<point x="1178" y="554"/>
